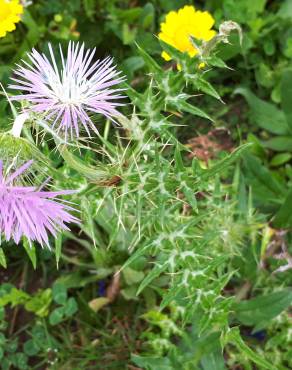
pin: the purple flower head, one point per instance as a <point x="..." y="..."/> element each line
<point x="31" y="212"/>
<point x="68" y="96"/>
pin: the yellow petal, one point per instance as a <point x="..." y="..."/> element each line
<point x="9" y="15"/>
<point x="166" y="56"/>
<point x="187" y="21"/>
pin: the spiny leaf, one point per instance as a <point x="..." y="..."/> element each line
<point x="201" y="84"/>
<point x="31" y="252"/>
<point x="58" y="248"/>
<point x="183" y="105"/>
<point x="150" y="62"/>
<point x="225" y="162"/>
<point x="264" y="114"/>
<point x="3" y="262"/>
<point x="154" y="273"/>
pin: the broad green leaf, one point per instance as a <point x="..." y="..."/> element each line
<point x="31" y="347"/>
<point x="279" y="144"/>
<point x="147" y="16"/>
<point x="130" y="293"/>
<point x="213" y="360"/>
<point x="234" y="47"/>
<point x="14" y="297"/>
<point x="11" y="346"/>
<point x="57" y="316"/>
<point x="40" y="303"/>
<point x="70" y="307"/>
<point x="285" y="10"/>
<point x="263" y="175"/>
<point x="280" y="159"/>
<point x="264" y="114"/>
<point x="128" y="35"/>
<point x="59" y="292"/>
<point x="153" y="363"/>
<point x="132" y="64"/>
<point x="286" y="96"/>
<point x="261" y="310"/>
<point x="256" y="6"/>
<point x="130" y="14"/>
<point x="257" y="148"/>
<point x="168" y="5"/>
<point x="132" y="276"/>
<point x="19" y="360"/>
<point x="283" y="217"/>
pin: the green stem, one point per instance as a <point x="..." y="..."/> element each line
<point x="94" y="174"/>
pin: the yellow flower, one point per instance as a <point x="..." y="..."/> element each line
<point x="180" y="25"/>
<point x="10" y="11"/>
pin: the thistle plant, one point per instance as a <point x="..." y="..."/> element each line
<point x="156" y="207"/>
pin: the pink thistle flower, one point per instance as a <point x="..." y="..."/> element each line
<point x="31" y="212"/>
<point x="67" y="97"/>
